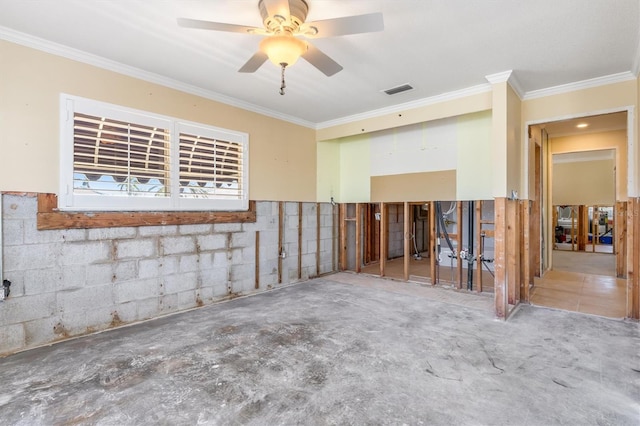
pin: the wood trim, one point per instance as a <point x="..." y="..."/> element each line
<point x="49" y="218"/>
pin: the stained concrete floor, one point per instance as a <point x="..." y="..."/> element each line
<point x="331" y="352"/>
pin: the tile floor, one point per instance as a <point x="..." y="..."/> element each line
<point x="579" y="292"/>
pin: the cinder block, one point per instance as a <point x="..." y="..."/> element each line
<point x="188" y="263"/>
<point x="266" y="208"/>
<point x="40" y="331"/>
<point x="34" y="236"/>
<point x="87" y="298"/>
<point x="137" y="248"/>
<point x="17" y="282"/>
<point x="216" y="279"/>
<point x="85" y="252"/>
<point x="157" y="231"/>
<point x="19" y="206"/>
<point x="220" y="260"/>
<point x="180" y="282"/>
<point x="212" y="242"/>
<point x="13" y="232"/>
<point x="268" y="281"/>
<point x="112" y="233"/>
<point x="125" y="313"/>
<point x="148" y="308"/>
<point x="242" y="239"/>
<point x="125" y="271"/>
<point x="136" y="290"/>
<point x="169" y="265"/>
<point x="99" y="274"/>
<point x="205" y="261"/>
<point x="206" y="294"/>
<point x="242" y="272"/>
<point x="12" y="338"/>
<point x="227" y="227"/>
<point x="249" y="255"/>
<point x="20" y="258"/>
<point x="168" y="303"/>
<point x="37" y="281"/>
<point x="243" y="286"/>
<point x="291" y="209"/>
<point x="178" y="245"/>
<point x="187" y="300"/>
<point x="194" y="229"/>
<point x="16" y="310"/>
<point x="148" y="268"/>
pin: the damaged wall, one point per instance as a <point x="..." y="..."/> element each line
<point x="76" y="281"/>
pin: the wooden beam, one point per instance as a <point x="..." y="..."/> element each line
<point x="513" y="251"/>
<point x="432" y="242"/>
<point x="257" y="270"/>
<point x="318" y="241"/>
<point x="358" y="237"/>
<point x="384" y="237"/>
<point x="478" y="249"/>
<point x="525" y="244"/>
<point x="343" y="237"/>
<point x="49" y="218"/>
<point x="407" y="241"/>
<point x="459" y="269"/>
<point x="620" y="240"/>
<point x="633" y="258"/>
<point x="280" y="238"/>
<point x="500" y="286"/>
<point x="299" y="240"/>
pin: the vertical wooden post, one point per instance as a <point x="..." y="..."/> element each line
<point x="478" y="248"/>
<point x="459" y="269"/>
<point x="299" y="240"/>
<point x="358" y="237"/>
<point x="633" y="258"/>
<point x="513" y="251"/>
<point x="620" y="228"/>
<point x="432" y="242"/>
<point x="525" y="244"/>
<point x="384" y="224"/>
<point x="280" y="238"/>
<point x="257" y="270"/>
<point x="583" y="227"/>
<point x="407" y="240"/>
<point x="573" y="228"/>
<point x="500" y="247"/>
<point x="318" y="241"/>
<point x="343" y="237"/>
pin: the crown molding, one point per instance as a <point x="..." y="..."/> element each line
<point x="580" y="85"/>
<point x="510" y="78"/>
<point x="463" y="93"/>
<point x="107" y="64"/>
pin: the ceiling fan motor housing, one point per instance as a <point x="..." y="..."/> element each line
<point x="298" y="10"/>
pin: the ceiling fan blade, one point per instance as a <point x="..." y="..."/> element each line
<point x="254" y="62"/>
<point x="356" y="24"/>
<point x="318" y="59"/>
<point x="277" y="8"/>
<point x="219" y="26"/>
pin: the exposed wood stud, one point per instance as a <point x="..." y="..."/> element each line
<point x="280" y="238"/>
<point x="407" y="240"/>
<point x="459" y="236"/>
<point x="300" y="240"/>
<point x="257" y="270"/>
<point x="343" y="237"/>
<point x="633" y="258"/>
<point x="479" y="246"/>
<point x="384" y="237"/>
<point x="358" y="237"/>
<point x="525" y="244"/>
<point x="500" y="286"/>
<point x="318" y="241"/>
<point x="432" y="243"/>
<point x="513" y="230"/>
<point x="620" y="228"/>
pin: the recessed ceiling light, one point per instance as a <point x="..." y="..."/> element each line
<point x="582" y="125"/>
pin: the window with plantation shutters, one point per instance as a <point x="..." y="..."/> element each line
<point x="115" y="158"/>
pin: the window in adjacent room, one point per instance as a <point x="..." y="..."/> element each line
<point x="120" y="159"/>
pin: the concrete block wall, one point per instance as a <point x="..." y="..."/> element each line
<point x="72" y="282"/>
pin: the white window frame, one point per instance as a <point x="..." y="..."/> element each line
<point x="68" y="201"/>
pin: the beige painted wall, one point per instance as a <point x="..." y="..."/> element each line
<point x="584" y="183"/>
<point x="474" y="173"/>
<point x="282" y="155"/>
<point x="616" y="140"/>
<point x="515" y="151"/>
<point x="427" y="186"/>
<point x="328" y="180"/>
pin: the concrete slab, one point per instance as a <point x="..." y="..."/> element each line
<point x="331" y="352"/>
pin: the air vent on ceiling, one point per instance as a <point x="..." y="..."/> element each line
<point x="398" y="89"/>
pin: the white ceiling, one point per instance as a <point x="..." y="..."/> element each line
<point x="437" y="46"/>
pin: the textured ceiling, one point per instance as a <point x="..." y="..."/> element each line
<point x="438" y="46"/>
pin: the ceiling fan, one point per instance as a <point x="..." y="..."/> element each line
<point x="284" y="26"/>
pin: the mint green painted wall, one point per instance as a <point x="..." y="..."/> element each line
<point x="474" y="177"/>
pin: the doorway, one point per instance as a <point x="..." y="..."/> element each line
<point x="586" y="175"/>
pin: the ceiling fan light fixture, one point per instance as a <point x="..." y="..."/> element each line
<point x="283" y="49"/>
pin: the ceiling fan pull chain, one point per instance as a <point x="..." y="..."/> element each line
<point x="282" y="86"/>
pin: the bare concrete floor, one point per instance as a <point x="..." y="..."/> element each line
<point x="336" y="351"/>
